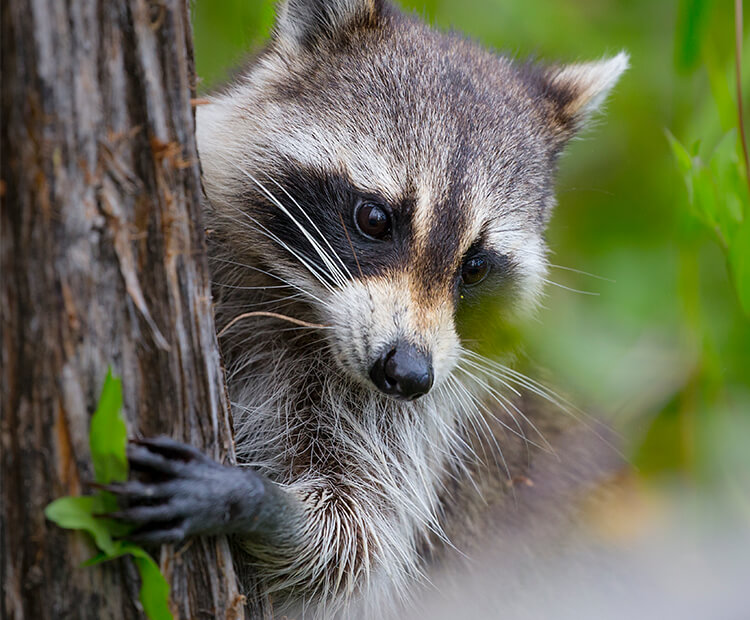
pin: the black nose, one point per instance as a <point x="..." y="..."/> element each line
<point x="404" y="371"/>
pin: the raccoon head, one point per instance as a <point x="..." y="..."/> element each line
<point x="392" y="173"/>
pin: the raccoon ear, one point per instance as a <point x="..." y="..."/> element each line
<point x="303" y="23"/>
<point x="577" y="91"/>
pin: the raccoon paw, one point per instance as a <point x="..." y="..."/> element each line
<point x="180" y="492"/>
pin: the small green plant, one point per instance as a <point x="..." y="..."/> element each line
<point x="108" y="441"/>
<point x="718" y="196"/>
<point x="718" y="180"/>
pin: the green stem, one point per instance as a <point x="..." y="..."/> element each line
<point x="738" y="66"/>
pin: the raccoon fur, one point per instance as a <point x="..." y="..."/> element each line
<point x="370" y="179"/>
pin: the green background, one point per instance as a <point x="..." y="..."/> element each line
<point x="662" y="347"/>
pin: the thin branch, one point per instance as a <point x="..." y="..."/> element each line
<point x="738" y="67"/>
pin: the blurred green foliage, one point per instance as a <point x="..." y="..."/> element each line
<point x="664" y="346"/>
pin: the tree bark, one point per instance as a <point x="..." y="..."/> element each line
<point x="102" y="263"/>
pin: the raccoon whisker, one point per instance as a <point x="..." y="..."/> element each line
<point x="572" y="290"/>
<point x="281" y="301"/>
<point x="507" y="230"/>
<point x="312" y="343"/>
<point x="322" y="236"/>
<point x="520" y="379"/>
<point x="273" y="275"/>
<point x="591" y="190"/>
<point x="535" y="387"/>
<point x="351" y="245"/>
<point x="464" y="408"/>
<point x="471" y="375"/>
<point x="272" y="315"/>
<point x="291" y="329"/>
<point x="487" y="433"/>
<point x="505" y="402"/>
<point x="455" y="443"/>
<point x="312" y="269"/>
<point x="235" y="287"/>
<point x="301" y="332"/>
<point x="333" y="269"/>
<point x="583" y="273"/>
<point x="268" y="234"/>
<point x="239" y="338"/>
<point x="577" y="414"/>
<point x="482" y="367"/>
<point x="472" y="413"/>
<point x="506" y="405"/>
<point x="459" y="400"/>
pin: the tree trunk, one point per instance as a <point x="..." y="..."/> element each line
<point x="102" y="263"/>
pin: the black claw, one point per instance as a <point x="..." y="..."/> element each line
<point x="134" y="489"/>
<point x="147" y="514"/>
<point x="143" y="459"/>
<point x="114" y="487"/>
<point x="164" y="536"/>
<point x="169" y="448"/>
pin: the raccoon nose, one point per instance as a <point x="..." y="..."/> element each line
<point x="403" y="371"/>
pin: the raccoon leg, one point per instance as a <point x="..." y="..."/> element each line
<point x="184" y="493"/>
<point x="317" y="542"/>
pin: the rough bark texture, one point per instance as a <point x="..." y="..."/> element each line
<point x="103" y="263"/>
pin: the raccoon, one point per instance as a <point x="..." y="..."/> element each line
<point x="369" y="181"/>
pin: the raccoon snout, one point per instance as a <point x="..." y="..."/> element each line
<point x="403" y="371"/>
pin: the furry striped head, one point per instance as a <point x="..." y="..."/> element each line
<point x="390" y="173"/>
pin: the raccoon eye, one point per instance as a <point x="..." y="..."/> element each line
<point x="373" y="220"/>
<point x="475" y="270"/>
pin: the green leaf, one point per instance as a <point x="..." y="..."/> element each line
<point x="77" y="513"/>
<point x="704" y="196"/>
<point x="120" y="548"/>
<point x="692" y="23"/>
<point x="721" y="88"/>
<point x="108" y="441"/>
<point x="739" y="259"/>
<point x="681" y="154"/>
<point x="99" y="558"/>
<point x="108" y="435"/>
<point x="727" y="171"/>
<point x="154" y="594"/>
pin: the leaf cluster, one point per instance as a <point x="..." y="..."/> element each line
<point x="107" y="442"/>
<point x="718" y="196"/>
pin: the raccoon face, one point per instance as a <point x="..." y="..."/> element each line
<point x="391" y="174"/>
